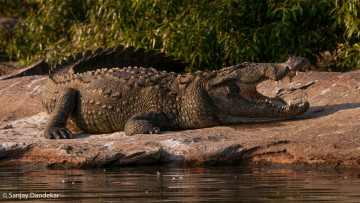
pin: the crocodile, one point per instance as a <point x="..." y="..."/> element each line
<point x="141" y="92"/>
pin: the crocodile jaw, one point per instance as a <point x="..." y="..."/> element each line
<point x="241" y="102"/>
<point x="233" y="91"/>
<point x="251" y="106"/>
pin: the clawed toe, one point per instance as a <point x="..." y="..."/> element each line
<point x="155" y="130"/>
<point x="57" y="133"/>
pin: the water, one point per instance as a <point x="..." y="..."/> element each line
<point x="164" y="183"/>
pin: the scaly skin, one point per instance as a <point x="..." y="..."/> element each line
<point x="119" y="90"/>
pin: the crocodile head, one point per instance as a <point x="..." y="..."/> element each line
<point x="233" y="91"/>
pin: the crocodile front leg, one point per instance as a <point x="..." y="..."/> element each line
<point x="146" y="123"/>
<point x="55" y="127"/>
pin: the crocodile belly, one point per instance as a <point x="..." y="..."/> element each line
<point x="99" y="116"/>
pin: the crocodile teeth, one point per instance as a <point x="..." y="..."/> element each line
<point x="291" y="79"/>
<point x="291" y="75"/>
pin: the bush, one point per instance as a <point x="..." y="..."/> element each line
<point x="209" y="34"/>
<point x="347" y="15"/>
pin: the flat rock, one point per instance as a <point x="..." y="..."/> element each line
<point x="328" y="134"/>
<point x="8" y="67"/>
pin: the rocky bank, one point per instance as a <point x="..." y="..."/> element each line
<point x="327" y="135"/>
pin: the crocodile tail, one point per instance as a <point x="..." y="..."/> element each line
<point x="119" y="57"/>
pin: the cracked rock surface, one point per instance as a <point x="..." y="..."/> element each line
<point x="328" y="134"/>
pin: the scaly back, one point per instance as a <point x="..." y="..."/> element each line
<point x="117" y="57"/>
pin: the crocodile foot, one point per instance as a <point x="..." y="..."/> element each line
<point x="57" y="133"/>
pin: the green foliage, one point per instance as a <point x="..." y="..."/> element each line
<point x="16" y="8"/>
<point x="11" y="9"/>
<point x="347" y="14"/>
<point x="210" y="34"/>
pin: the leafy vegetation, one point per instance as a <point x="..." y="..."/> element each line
<point x="209" y="34"/>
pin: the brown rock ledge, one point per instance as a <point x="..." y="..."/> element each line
<point x="328" y="134"/>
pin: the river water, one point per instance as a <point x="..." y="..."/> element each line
<point x="191" y="184"/>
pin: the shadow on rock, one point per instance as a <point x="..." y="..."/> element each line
<point x="321" y="111"/>
<point x="82" y="136"/>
